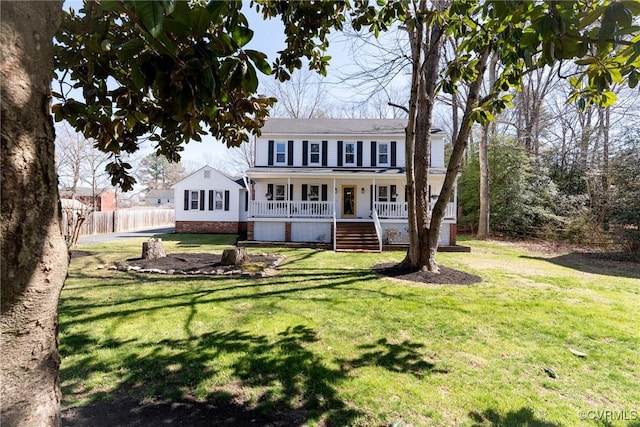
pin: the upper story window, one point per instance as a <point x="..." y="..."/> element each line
<point x="349" y="153"/>
<point x="281" y="152"/>
<point x="194" y="199"/>
<point x="314" y="153"/>
<point x="383" y="154"/>
<point x="207" y="174"/>
<point x="280" y="192"/>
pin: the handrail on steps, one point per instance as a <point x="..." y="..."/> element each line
<point x="335" y="226"/>
<point x="376" y="222"/>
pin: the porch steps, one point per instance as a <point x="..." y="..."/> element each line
<point x="356" y="237"/>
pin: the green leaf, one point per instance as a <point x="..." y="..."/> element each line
<point x="137" y="77"/>
<point x="215" y="7"/>
<point x="200" y="19"/>
<point x="260" y="60"/>
<point x="151" y="14"/>
<point x="131" y="48"/>
<point x="250" y="79"/>
<point x="587" y="61"/>
<point x="241" y="35"/>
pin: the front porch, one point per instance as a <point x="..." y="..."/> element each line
<point x="307" y="209"/>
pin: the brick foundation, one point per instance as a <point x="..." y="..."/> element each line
<point x="287" y="231"/>
<point x="453" y="231"/>
<point x="250" y="227"/>
<point x="218" y="227"/>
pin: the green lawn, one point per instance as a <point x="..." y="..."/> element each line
<point x="325" y="336"/>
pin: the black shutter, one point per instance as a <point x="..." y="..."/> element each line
<point x="373" y="153"/>
<point x="340" y="149"/>
<point x="290" y="153"/>
<point x="406" y="198"/>
<point x="201" y="200"/>
<point x="324" y="192"/>
<point x="226" y="200"/>
<point x="325" y="150"/>
<point x="305" y="153"/>
<point x="305" y="191"/>
<point x="246" y="201"/>
<point x="290" y="192"/>
<point x="210" y="200"/>
<point x="270" y="191"/>
<point x="270" y="160"/>
<point x="359" y="152"/>
<point x="393" y="154"/>
<point x="392" y="196"/>
<point x="186" y="200"/>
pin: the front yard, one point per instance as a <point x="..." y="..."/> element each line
<point x="327" y="342"/>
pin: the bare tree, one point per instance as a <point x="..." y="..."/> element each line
<point x="79" y="162"/>
<point x="241" y="158"/>
<point x="302" y="96"/>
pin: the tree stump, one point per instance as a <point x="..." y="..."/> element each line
<point x="234" y="256"/>
<point x="153" y="249"/>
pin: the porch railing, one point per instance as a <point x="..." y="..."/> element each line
<point x="399" y="210"/>
<point x="290" y="209"/>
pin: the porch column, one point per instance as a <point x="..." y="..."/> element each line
<point x="335" y="190"/>
<point x="288" y="197"/>
<point x="374" y="197"/>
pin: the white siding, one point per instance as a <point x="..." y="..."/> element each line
<point x="311" y="232"/>
<point x="268" y="231"/>
<point x="437" y="153"/>
<point x="396" y="232"/>
<point x="198" y="182"/>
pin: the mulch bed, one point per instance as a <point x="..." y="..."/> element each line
<point x="447" y="276"/>
<point x="194" y="261"/>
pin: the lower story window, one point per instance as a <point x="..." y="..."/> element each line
<point x="314" y="193"/>
<point x="218" y="200"/>
<point x="383" y="194"/>
<point x="280" y="192"/>
<point x="194" y="199"/>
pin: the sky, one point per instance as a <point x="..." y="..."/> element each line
<point x="268" y="38"/>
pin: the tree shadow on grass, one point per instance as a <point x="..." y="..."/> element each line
<point x="596" y="263"/>
<point x="277" y="381"/>
<point x="268" y="381"/>
<point x="521" y="417"/>
<point x="405" y="357"/>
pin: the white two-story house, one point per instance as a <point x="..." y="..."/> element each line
<point x="339" y="181"/>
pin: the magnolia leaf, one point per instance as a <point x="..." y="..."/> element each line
<point x="200" y="19"/>
<point x="151" y="13"/>
<point x="241" y="35"/>
<point x="250" y="79"/>
<point x="260" y="60"/>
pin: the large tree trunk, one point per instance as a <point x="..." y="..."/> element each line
<point x="34" y="257"/>
<point x="483" y="155"/>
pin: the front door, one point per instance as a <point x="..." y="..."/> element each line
<point x="349" y="201"/>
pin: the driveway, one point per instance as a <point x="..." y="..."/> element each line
<point x="100" y="238"/>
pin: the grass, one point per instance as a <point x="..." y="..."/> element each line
<point x="328" y="336"/>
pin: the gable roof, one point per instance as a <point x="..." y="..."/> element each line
<point x="237" y="181"/>
<point x="279" y="126"/>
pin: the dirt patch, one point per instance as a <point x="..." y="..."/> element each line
<point x="80" y="254"/>
<point x="200" y="263"/>
<point x="447" y="276"/>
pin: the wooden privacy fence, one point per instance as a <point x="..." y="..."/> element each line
<point x="118" y="221"/>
